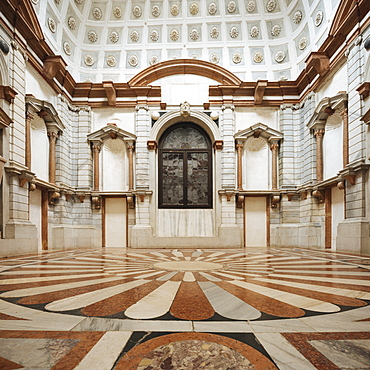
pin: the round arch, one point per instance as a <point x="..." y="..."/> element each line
<point x="185" y="66"/>
<point x="199" y="118"/>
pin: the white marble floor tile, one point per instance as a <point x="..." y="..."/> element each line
<point x="189" y="276"/>
<point x="167" y="276"/>
<point x="227" y="305"/>
<point x="104" y="354"/>
<point x="325" y="279"/>
<point x="280" y="326"/>
<point x="320" y="288"/>
<point x="283" y="353"/>
<point x="222" y="327"/>
<point x="290" y="298"/>
<point x="209" y="277"/>
<point x="85" y="299"/>
<point x="55" y="288"/>
<point x="156" y="303"/>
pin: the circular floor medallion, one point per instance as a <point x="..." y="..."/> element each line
<point x="188" y="266"/>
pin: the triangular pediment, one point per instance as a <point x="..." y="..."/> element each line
<point x="110" y="131"/>
<point x="259" y="129"/>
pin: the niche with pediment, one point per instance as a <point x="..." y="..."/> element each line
<point x="114" y="165"/>
<point x="39" y="148"/>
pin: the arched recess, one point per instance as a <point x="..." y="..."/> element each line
<point x="199" y="118"/>
<point x="184" y="66"/>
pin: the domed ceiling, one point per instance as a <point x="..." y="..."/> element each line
<point x="254" y="39"/>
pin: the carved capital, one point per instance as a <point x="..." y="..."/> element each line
<point x="274" y="146"/>
<point x="319" y="132"/>
<point x="96" y="148"/>
<point x="53" y="135"/>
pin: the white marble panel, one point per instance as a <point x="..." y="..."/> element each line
<point x="283" y="353"/>
<point x="185" y="222"/>
<point x="104" y="354"/>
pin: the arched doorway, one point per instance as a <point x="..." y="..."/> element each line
<point x="185" y="167"/>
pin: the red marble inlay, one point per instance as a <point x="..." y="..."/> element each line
<point x="190" y="303"/>
<point x="301" y="342"/>
<point x="261" y="302"/>
<point x="121" y="301"/>
<point x="4" y="316"/>
<point x="9" y="365"/>
<point x="87" y="341"/>
<point x="53" y="296"/>
<point x="132" y="359"/>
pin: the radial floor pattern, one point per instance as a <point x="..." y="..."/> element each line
<point x="133" y="299"/>
<point x="188" y="285"/>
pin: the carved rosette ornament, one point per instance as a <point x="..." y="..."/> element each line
<point x="234" y="32"/>
<point x="231" y="6"/>
<point x="114" y="37"/>
<point x="52" y="25"/>
<point x="319" y="17"/>
<point x="97" y="13"/>
<point x="302" y="43"/>
<point x="133" y="61"/>
<point x="175" y="10"/>
<point x="258" y="57"/>
<point x="156" y="11"/>
<point x="67" y="48"/>
<point x="194" y="8"/>
<point x="153" y="60"/>
<point x="275" y="30"/>
<point x="92" y="36"/>
<point x="214" y="32"/>
<point x="134" y="36"/>
<point x="111" y="61"/>
<point x="72" y="23"/>
<point x="212" y="8"/>
<point x="214" y="58"/>
<point x="237" y="58"/>
<point x="117" y="12"/>
<point x="254" y="31"/>
<point x="297" y="17"/>
<point x="154" y="35"/>
<point x="271" y="5"/>
<point x="194" y="56"/>
<point x="89" y="60"/>
<point x="174" y="35"/>
<point x="279" y="56"/>
<point x="136" y="11"/>
<point x="251" y="6"/>
<point x="194" y="34"/>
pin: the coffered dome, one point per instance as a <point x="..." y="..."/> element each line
<point x="254" y="39"/>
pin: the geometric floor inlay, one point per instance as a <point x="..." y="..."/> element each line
<point x="188" y="285"/>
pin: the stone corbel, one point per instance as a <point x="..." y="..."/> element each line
<point x="275" y="199"/>
<point x="240" y="201"/>
<point x="81" y="197"/>
<point x="319" y="194"/>
<point x="142" y="194"/>
<point x="31" y="186"/>
<point x="319" y="61"/>
<point x="96" y="202"/>
<point x="130" y="201"/>
<point x="52" y="65"/>
<point x="259" y="91"/>
<point x="53" y="195"/>
<point x="304" y="194"/>
<point x="25" y="176"/>
<point x="289" y="196"/>
<point x="229" y="193"/>
<point x="111" y="93"/>
<point x="364" y="90"/>
<point x="340" y="185"/>
<point x="7" y="93"/>
<point x="218" y="144"/>
<point x="152" y="145"/>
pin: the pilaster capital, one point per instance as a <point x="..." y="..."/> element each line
<point x="142" y="106"/>
<point x="53" y="135"/>
<point x="319" y="132"/>
<point x="228" y="106"/>
<point x="96" y="147"/>
<point x="130" y="145"/>
<point x="274" y="145"/>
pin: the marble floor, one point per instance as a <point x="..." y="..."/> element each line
<point x="265" y="308"/>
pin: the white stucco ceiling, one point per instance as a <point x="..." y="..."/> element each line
<point x="115" y="39"/>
